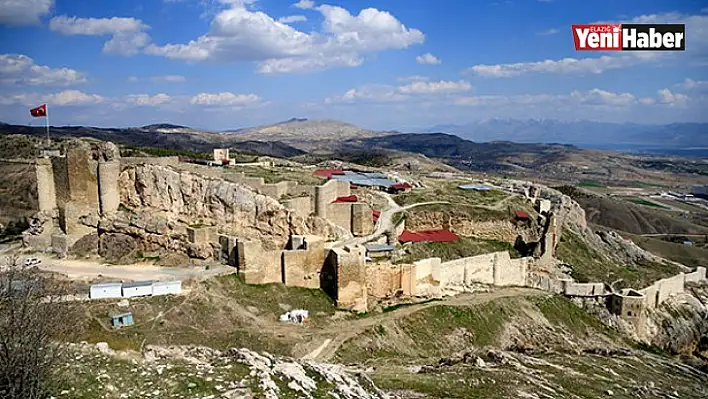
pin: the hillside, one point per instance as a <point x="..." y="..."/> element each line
<point x="622" y="215"/>
<point x="299" y="132"/>
<point x="582" y="133"/>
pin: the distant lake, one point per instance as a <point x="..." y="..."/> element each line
<point x="698" y="152"/>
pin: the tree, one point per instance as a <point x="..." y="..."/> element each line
<point x="35" y="319"/>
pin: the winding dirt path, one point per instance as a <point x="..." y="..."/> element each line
<point x="325" y="344"/>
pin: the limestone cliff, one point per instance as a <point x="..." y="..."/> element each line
<point x="159" y="203"/>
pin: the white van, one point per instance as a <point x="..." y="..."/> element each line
<point x="32" y="261"/>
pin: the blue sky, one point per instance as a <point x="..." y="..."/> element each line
<point x="387" y="64"/>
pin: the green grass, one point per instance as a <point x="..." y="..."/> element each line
<point x="644" y="202"/>
<point x="217" y="317"/>
<point x="276" y="175"/>
<point x="449" y="192"/>
<point x="560" y="311"/>
<point x="590" y="184"/>
<point x="424" y="333"/>
<point x="590" y="266"/>
<point x="465" y="247"/>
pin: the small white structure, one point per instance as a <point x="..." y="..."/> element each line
<point x="543" y="205"/>
<point x="138" y="288"/>
<point x="109" y="290"/>
<point x="166" y="288"/>
<point x="295" y="316"/>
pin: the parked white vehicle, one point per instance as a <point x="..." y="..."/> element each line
<point x="32" y="261"/>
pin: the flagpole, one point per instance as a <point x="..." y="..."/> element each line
<point x="46" y="119"/>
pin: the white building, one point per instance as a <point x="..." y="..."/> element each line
<point x="138" y="288"/>
<point x="166" y="288"/>
<point x="109" y="290"/>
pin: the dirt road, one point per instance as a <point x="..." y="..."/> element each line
<point x="328" y="341"/>
<point x="87" y="270"/>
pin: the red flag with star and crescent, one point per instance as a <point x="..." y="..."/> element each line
<point x="39" y="111"/>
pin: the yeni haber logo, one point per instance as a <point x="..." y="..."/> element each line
<point x="630" y="37"/>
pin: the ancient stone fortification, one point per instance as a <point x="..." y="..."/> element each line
<point x="93" y="200"/>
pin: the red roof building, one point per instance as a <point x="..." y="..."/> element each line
<point x="348" y="198"/>
<point x="327" y="173"/>
<point x="428" y="236"/>
<point x="375" y="215"/>
<point x="521" y="215"/>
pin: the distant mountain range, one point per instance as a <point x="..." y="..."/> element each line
<point x="582" y="133"/>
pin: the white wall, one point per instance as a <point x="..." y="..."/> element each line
<point x="130" y="292"/>
<point x="167" y="288"/>
<point x="98" y="291"/>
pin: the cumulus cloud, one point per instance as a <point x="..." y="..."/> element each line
<point x="224" y="99"/>
<point x="19" y="69"/>
<point x="63" y="98"/>
<point x="694" y="85"/>
<point x="698" y="48"/>
<point x="428" y="59"/>
<point x="148" y="100"/>
<point x="240" y="34"/>
<point x="673" y="99"/>
<point x="412" y="78"/>
<point x="442" y="86"/>
<point x="305" y="4"/>
<point x="24" y="12"/>
<point x="127" y="34"/>
<point x="292" y="18"/>
<point x="388" y="93"/>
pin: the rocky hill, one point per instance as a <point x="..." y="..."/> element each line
<point x="300" y="131"/>
<point x="621" y="215"/>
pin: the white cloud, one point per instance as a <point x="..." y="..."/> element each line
<point x="435" y="87"/>
<point x="381" y="93"/>
<point x="427" y="58"/>
<point x="224" y="99"/>
<point x="563" y="66"/>
<point x="369" y="93"/>
<point x="128" y="34"/>
<point x="591" y="98"/>
<point x="239" y="34"/>
<point x="160" y="78"/>
<point x="148" y="100"/>
<point x="63" y="98"/>
<point x="602" y="97"/>
<point x="694" y="85"/>
<point x="294" y="64"/>
<point x="24" y="12"/>
<point x="548" y="32"/>
<point x="18" y="69"/>
<point x="413" y="78"/>
<point x="305" y="4"/>
<point x="697" y="25"/>
<point x="292" y="18"/>
<point x="672" y="99"/>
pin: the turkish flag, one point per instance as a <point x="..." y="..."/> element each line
<point x="39" y="111"/>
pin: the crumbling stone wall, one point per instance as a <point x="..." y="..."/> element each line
<point x="45" y="186"/>
<point x="302" y="267"/>
<point x="350" y="278"/>
<point x="324" y="195"/>
<point x="362" y="222"/>
<point x="340" y="214"/>
<point x="258" y="266"/>
<point x="301" y="206"/>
